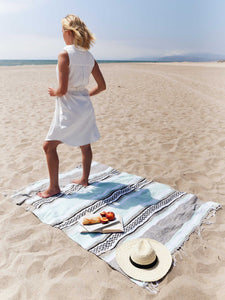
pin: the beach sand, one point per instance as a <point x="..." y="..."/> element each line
<point x="165" y="122"/>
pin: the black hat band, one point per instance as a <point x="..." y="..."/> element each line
<point x="144" y="266"/>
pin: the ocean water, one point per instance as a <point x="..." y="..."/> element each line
<point x="21" y="62"/>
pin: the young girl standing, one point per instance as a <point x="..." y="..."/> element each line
<point x="74" y="119"/>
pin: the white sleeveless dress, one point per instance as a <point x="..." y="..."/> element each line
<point x="74" y="118"/>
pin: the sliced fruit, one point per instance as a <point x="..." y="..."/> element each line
<point x="103" y="213"/>
<point x="104" y="220"/>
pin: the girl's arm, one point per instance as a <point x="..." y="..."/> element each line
<point x="101" y="86"/>
<point x="63" y="65"/>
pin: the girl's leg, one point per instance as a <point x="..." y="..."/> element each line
<point x="86" y="162"/>
<point x="53" y="168"/>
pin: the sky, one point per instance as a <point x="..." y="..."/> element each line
<point x="124" y="29"/>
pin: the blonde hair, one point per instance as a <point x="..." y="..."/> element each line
<point x="82" y="36"/>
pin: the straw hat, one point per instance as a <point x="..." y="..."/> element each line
<point x="144" y="259"/>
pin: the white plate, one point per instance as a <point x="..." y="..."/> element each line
<point x="97" y="226"/>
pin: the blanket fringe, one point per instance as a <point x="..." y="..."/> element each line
<point x="206" y="221"/>
<point x="152" y="287"/>
<point x="180" y="251"/>
<point x="198" y="229"/>
<point x="181" y="254"/>
<point x="174" y="260"/>
<point x="212" y="213"/>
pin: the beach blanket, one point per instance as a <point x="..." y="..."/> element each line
<point x="148" y="209"/>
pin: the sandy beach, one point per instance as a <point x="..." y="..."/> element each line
<point x="162" y="121"/>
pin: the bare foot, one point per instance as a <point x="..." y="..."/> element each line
<point x="81" y="182"/>
<point x="48" y="193"/>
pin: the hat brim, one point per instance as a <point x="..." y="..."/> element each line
<point x="155" y="273"/>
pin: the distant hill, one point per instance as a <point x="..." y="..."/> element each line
<point x="198" y="57"/>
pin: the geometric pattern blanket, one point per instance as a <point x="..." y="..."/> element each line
<point x="148" y="208"/>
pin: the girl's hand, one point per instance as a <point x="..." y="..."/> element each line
<point x="51" y="92"/>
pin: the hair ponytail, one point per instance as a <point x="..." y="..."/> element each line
<point x="82" y="36"/>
